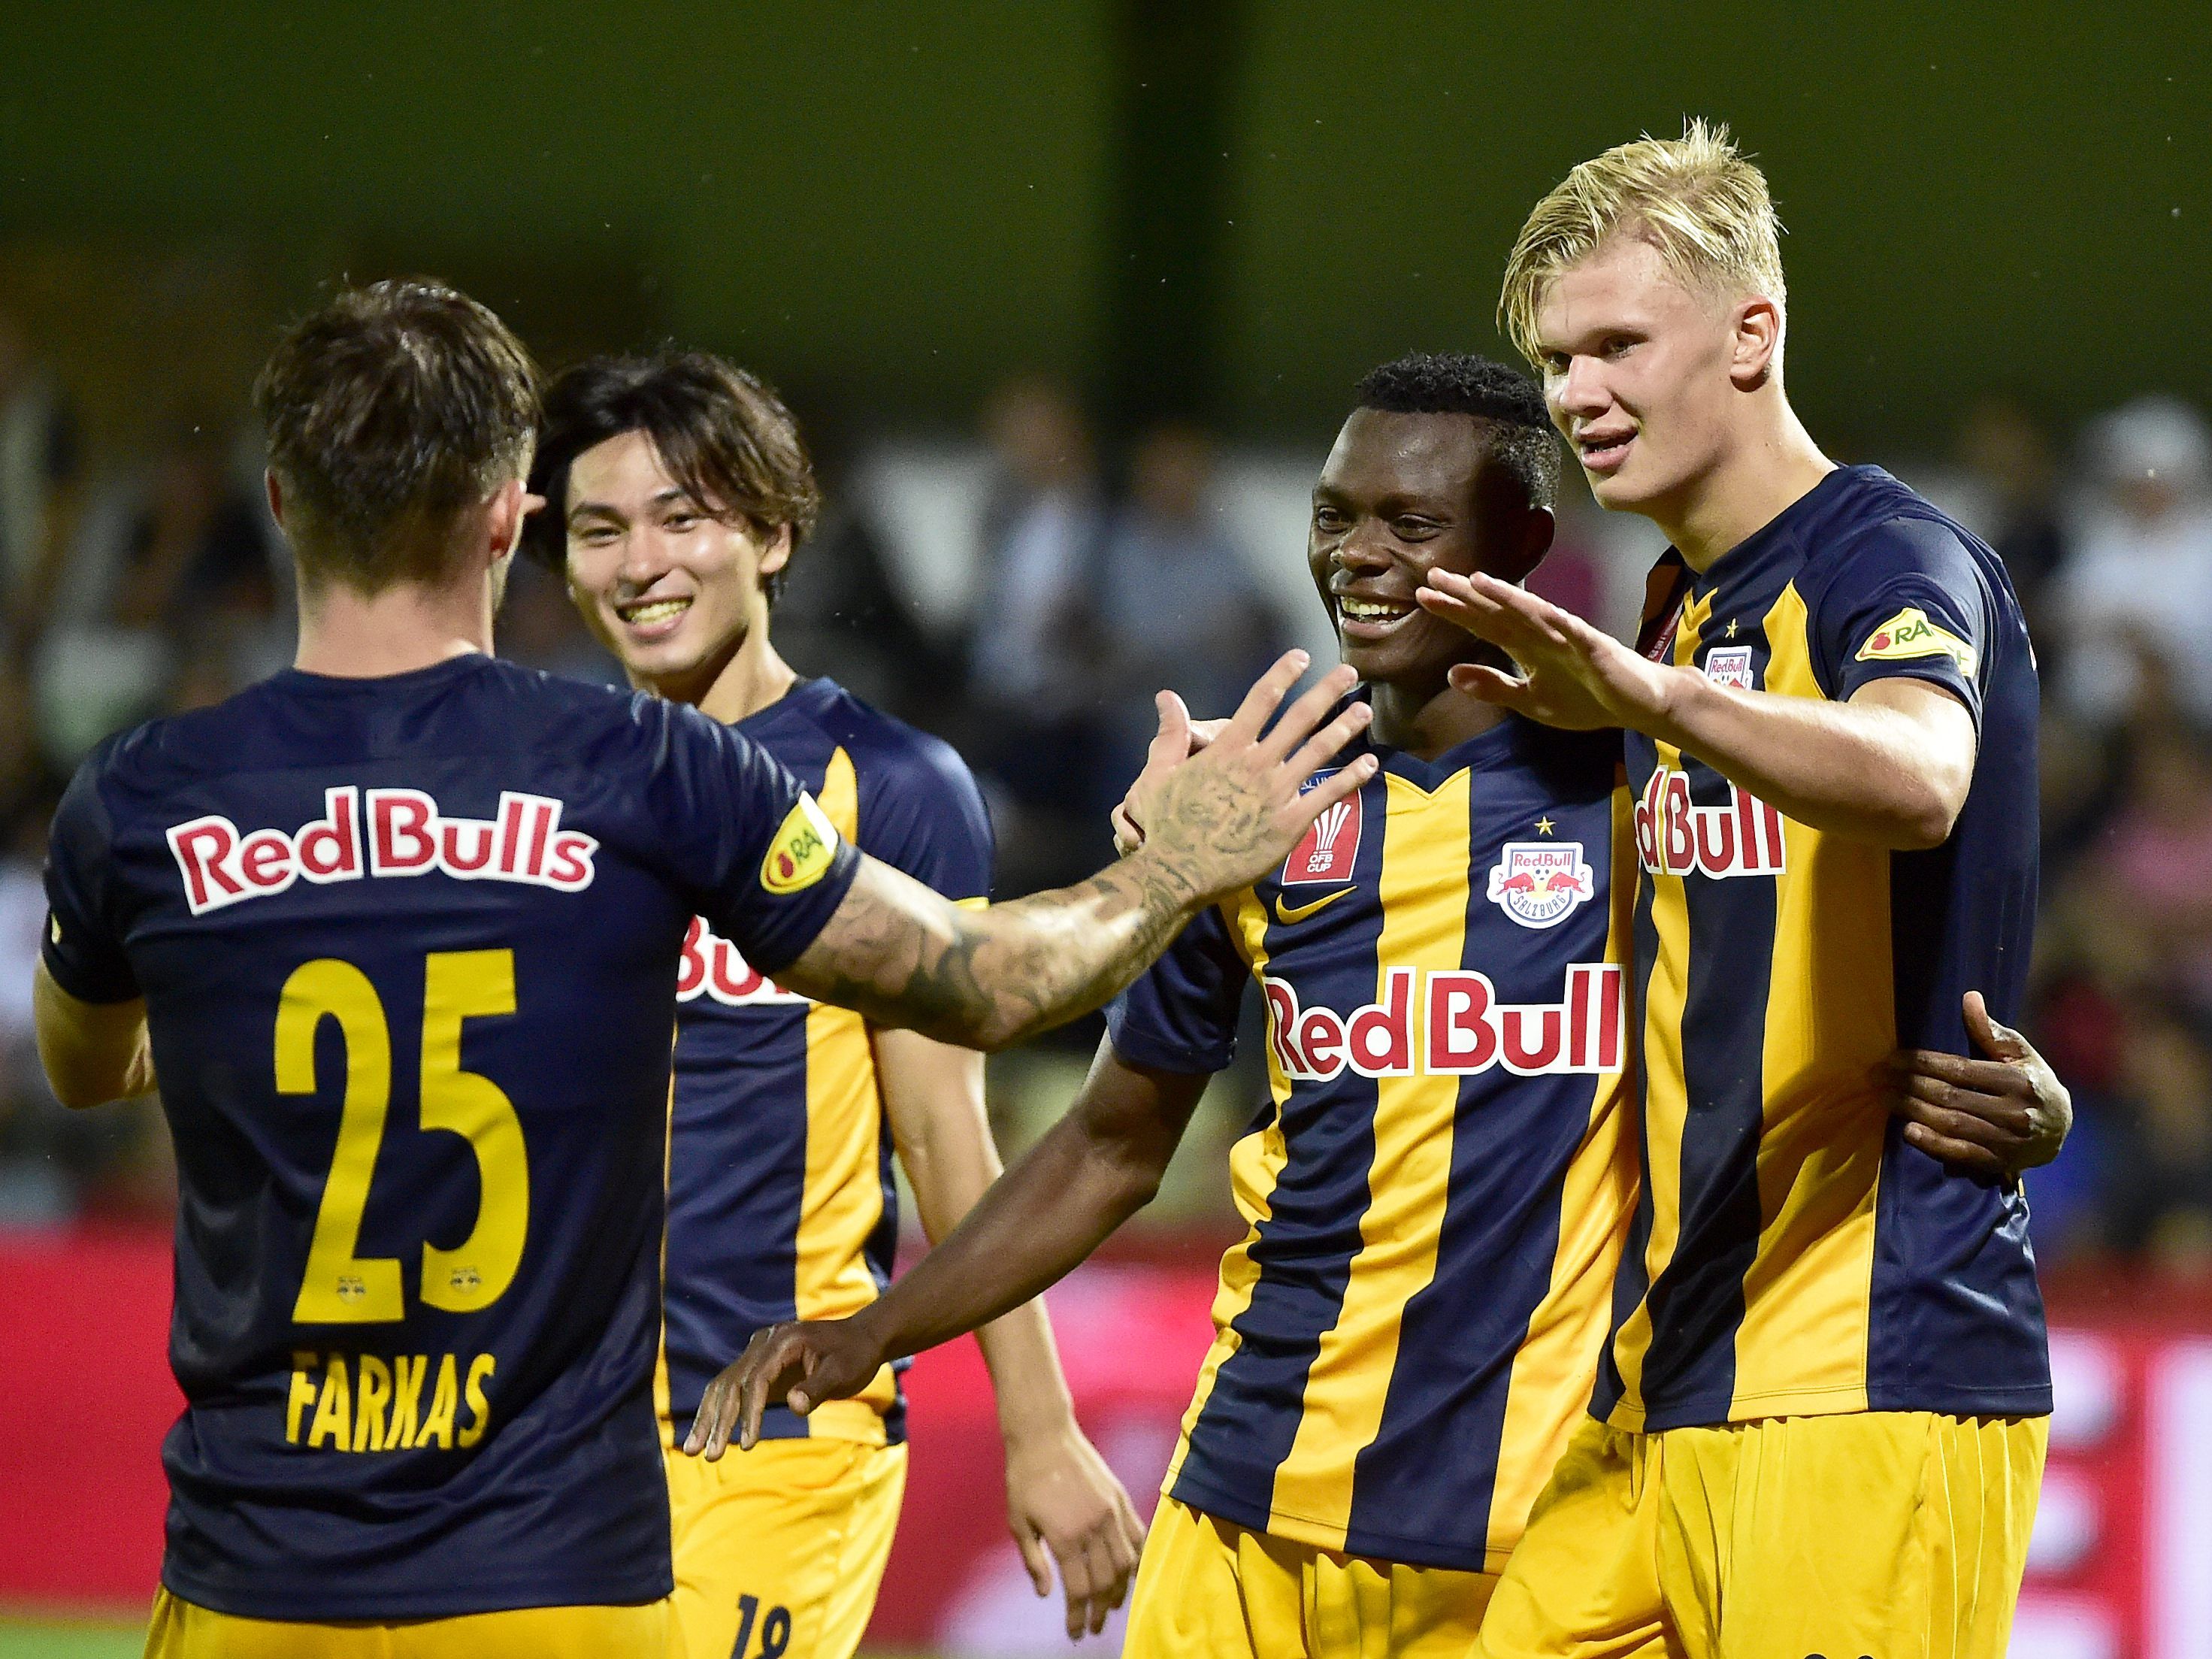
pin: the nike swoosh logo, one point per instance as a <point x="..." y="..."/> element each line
<point x="1287" y="913"/>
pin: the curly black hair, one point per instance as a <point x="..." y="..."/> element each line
<point x="1462" y="383"/>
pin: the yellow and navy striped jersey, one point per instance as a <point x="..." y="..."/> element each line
<point x="1792" y="1254"/>
<point x="781" y="1199"/>
<point x="1437" y="1189"/>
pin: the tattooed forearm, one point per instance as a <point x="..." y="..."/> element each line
<point x="986" y="979"/>
<point x="902" y="955"/>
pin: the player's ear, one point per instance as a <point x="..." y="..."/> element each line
<point x="275" y="496"/>
<point x="509" y="505"/>
<point x="1520" y="537"/>
<point x="775" y="550"/>
<point x="1756" y="345"/>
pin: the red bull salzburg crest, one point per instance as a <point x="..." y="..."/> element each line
<point x="1539" y="882"/>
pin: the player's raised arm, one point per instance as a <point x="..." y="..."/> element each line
<point x="1891" y="764"/>
<point x="1089" y="1172"/>
<point x="904" y="956"/>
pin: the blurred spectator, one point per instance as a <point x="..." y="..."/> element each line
<point x="539" y="627"/>
<point x="38" y="476"/>
<point x="180" y="598"/>
<point x="2149" y="885"/>
<point x="1033" y="640"/>
<point x="2139" y="584"/>
<point x="2160" y="1195"/>
<point x="841" y="614"/>
<point x="2012" y="470"/>
<point x="1178" y="609"/>
<point x="196" y="554"/>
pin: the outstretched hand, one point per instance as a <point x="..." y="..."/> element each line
<point x="1573" y="675"/>
<point x="1180" y="736"/>
<point x="801" y="1363"/>
<point x="1220" y="819"/>
<point x="1992" y="1118"/>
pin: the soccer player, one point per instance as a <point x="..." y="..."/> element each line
<point x="680" y="488"/>
<point x="398" y="931"/>
<point x="1438" y="1191"/>
<point x="1820" y="1421"/>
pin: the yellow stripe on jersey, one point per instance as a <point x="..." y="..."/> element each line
<point x="1423" y="892"/>
<point x="1820" y="1145"/>
<point x="1666" y="1111"/>
<point x="843" y="1200"/>
<point x="1549" y="1395"/>
<point x="663" y="1395"/>
<point x="1255" y="1164"/>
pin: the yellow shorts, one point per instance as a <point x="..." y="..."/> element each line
<point x="182" y="1630"/>
<point x="1893" y="1533"/>
<point x="780" y="1550"/>
<point x="1204" y="1586"/>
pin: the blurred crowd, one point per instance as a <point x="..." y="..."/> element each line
<point x="1026" y="589"/>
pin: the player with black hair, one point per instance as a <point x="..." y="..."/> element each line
<point x="1439" y="1189"/>
<point x="678" y="487"/>
<point x="397" y="932"/>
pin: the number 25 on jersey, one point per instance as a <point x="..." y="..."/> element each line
<point x="341" y="1287"/>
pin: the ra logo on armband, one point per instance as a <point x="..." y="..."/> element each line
<point x="804" y="848"/>
<point x="1910" y="634"/>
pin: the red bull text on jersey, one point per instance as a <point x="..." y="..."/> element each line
<point x="1792" y="1254"/>
<point x="1438" y="1188"/>
<point x="780" y="1200"/>
<point x="408" y="950"/>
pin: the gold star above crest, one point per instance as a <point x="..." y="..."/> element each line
<point x="1544" y="825"/>
<point x="1731" y="627"/>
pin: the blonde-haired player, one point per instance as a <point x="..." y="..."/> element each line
<point x="1819" y="1422"/>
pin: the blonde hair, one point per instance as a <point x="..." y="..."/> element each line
<point x="1695" y="199"/>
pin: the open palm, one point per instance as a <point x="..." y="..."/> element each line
<point x="1573" y="675"/>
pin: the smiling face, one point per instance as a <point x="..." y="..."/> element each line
<point x="1401" y="495"/>
<point x="670" y="589"/>
<point x="1643" y="374"/>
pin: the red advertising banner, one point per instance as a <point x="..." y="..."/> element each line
<point x="2121" y="1564"/>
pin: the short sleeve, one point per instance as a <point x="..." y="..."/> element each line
<point x="1907" y="600"/>
<point x="921" y="814"/>
<point x="758" y="857"/>
<point x="82" y="948"/>
<point x="1181" y="1014"/>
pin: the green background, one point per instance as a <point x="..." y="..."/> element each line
<point x="892" y="203"/>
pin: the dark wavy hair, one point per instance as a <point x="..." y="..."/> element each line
<point x="722" y="431"/>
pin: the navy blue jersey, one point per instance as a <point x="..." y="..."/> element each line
<point x="781" y="1199"/>
<point x="408" y="950"/>
<point x="1792" y="1254"/>
<point x="1437" y="1189"/>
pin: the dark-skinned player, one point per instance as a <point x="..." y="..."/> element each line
<point x="1438" y="1188"/>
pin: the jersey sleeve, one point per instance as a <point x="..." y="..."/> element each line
<point x="83" y="945"/>
<point x="921" y="814"/>
<point x="1907" y="601"/>
<point x="1181" y="1013"/>
<point x="758" y="859"/>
